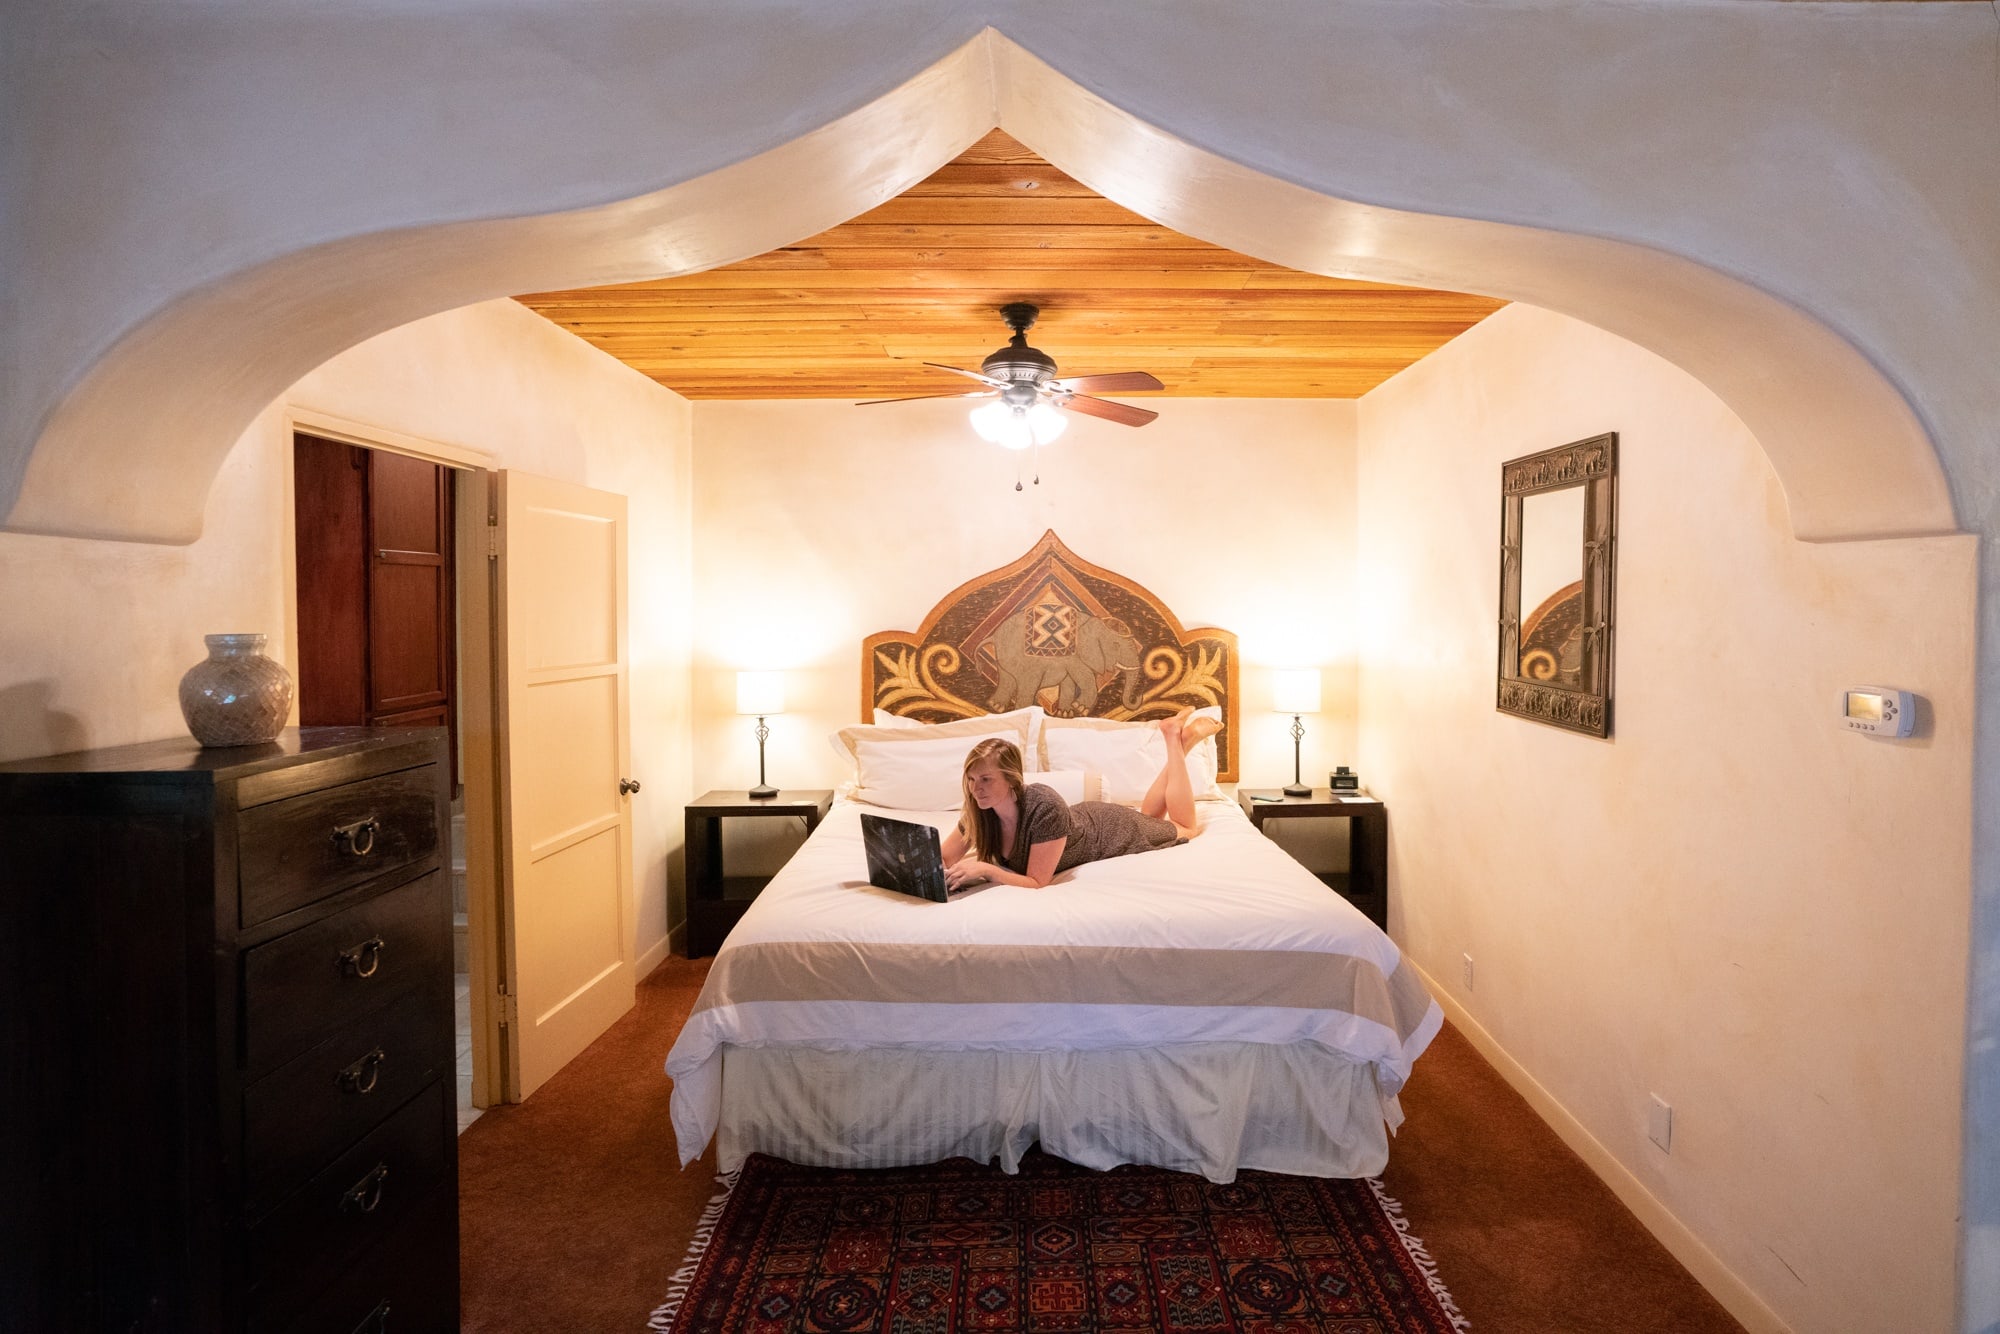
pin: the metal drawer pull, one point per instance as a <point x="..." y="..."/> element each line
<point x="361" y="1076"/>
<point x="363" y="959"/>
<point x="375" y="1322"/>
<point x="357" y="839"/>
<point x="365" y="1194"/>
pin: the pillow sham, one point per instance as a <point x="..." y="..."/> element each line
<point x="1025" y="724"/>
<point x="1127" y="755"/>
<point x="914" y="772"/>
<point x="1031" y="757"/>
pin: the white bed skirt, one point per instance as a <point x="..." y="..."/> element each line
<point x="1211" y="1108"/>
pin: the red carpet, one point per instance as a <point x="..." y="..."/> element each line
<point x="574" y="1212"/>
<point x="962" y="1246"/>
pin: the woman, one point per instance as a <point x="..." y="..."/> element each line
<point x="1015" y="834"/>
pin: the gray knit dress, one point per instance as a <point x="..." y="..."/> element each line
<point x="1095" y="829"/>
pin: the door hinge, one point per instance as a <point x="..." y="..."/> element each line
<point x="492" y="539"/>
<point x="510" y="1009"/>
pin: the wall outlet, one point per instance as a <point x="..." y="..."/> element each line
<point x="1468" y="972"/>
<point x="1660" y="1124"/>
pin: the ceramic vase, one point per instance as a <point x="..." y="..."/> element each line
<point x="236" y="696"/>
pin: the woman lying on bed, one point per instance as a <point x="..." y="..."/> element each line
<point x="1013" y="833"/>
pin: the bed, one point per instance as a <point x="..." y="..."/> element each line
<point x="1207" y="1007"/>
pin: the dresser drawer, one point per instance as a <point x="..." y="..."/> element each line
<point x="299" y="850"/>
<point x="355" y="1204"/>
<point x="301" y="1115"/>
<point x="305" y="987"/>
<point x="406" y="1285"/>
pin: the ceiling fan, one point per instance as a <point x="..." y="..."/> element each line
<point x="1021" y="382"/>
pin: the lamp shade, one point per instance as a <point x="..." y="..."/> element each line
<point x="761" y="693"/>
<point x="1295" y="690"/>
<point x="1017" y="428"/>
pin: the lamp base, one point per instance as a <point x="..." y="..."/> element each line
<point x="763" y="792"/>
<point x="1297" y="790"/>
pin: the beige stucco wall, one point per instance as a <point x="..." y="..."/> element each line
<point x="817" y="524"/>
<point x="98" y="633"/>
<point x="1733" y="903"/>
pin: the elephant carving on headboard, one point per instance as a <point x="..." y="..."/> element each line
<point x="1054" y="630"/>
<point x="1041" y="646"/>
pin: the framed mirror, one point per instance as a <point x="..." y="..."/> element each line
<point x="1558" y="543"/>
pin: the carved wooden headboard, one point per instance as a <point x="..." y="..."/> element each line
<point x="1058" y="631"/>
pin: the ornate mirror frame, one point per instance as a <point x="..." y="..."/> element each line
<point x="1593" y="465"/>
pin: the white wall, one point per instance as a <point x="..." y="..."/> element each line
<point x="818" y="524"/>
<point x="98" y="633"/>
<point x="1732" y="903"/>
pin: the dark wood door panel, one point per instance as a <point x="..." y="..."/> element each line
<point x="406" y="511"/>
<point x="377" y="604"/>
<point x="409" y="637"/>
<point x="330" y="522"/>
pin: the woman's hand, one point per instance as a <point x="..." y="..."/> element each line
<point x="966" y="870"/>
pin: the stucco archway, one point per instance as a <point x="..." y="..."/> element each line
<point x="129" y="451"/>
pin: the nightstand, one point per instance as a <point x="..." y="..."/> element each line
<point x="716" y="899"/>
<point x="1366" y="884"/>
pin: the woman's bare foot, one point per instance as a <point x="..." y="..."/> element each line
<point x="1197" y="730"/>
<point x="1174" y="728"/>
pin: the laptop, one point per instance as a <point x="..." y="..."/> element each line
<point x="904" y="856"/>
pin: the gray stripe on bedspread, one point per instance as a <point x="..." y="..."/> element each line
<point x="941" y="974"/>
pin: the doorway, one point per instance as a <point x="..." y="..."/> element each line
<point x="376" y="575"/>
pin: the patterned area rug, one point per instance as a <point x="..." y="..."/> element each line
<point x="960" y="1246"/>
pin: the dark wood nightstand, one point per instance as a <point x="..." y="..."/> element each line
<point x="1366" y="884"/>
<point x="716" y="899"/>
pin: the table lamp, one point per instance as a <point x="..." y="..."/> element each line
<point x="761" y="694"/>
<point x="1296" y="691"/>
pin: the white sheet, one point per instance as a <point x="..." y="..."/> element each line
<point x="1223" y="939"/>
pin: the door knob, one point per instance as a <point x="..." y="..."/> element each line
<point x="627" y="786"/>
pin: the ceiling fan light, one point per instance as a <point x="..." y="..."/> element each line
<point x="1045" y="423"/>
<point x="988" y="419"/>
<point x="1015" y="433"/>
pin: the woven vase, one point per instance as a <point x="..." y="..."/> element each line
<point x="236" y="696"/>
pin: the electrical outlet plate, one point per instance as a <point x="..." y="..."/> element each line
<point x="1468" y="972"/>
<point x="1660" y="1124"/>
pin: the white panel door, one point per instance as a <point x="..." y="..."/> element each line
<point x="564" y="742"/>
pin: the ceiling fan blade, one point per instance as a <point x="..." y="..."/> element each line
<point x="1122" y="413"/>
<point x="977" y="393"/>
<point x="1118" y="382"/>
<point x="970" y="375"/>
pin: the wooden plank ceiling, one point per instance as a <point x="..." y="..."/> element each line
<point x="852" y="313"/>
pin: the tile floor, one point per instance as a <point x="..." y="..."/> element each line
<point x="461" y="1000"/>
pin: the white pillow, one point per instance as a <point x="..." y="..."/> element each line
<point x="1072" y="785"/>
<point x="918" y="773"/>
<point x="1014" y="725"/>
<point x="1127" y="756"/>
<point x="1028" y="720"/>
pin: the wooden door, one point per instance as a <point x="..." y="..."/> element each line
<point x="376" y="588"/>
<point x="564" y="741"/>
<point x="410" y="631"/>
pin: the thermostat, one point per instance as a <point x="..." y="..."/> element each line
<point x="1878" y="709"/>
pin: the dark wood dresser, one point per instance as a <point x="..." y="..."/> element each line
<point x="225" y="985"/>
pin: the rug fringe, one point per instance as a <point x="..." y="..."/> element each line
<point x="663" y="1316"/>
<point x="1392" y="1209"/>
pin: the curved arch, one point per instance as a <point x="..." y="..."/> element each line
<point x="131" y="450"/>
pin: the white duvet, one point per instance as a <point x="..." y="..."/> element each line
<point x="1222" y="939"/>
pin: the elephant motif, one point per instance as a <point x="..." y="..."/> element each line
<point x="1055" y="644"/>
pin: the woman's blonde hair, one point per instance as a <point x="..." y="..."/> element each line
<point x="982" y="827"/>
